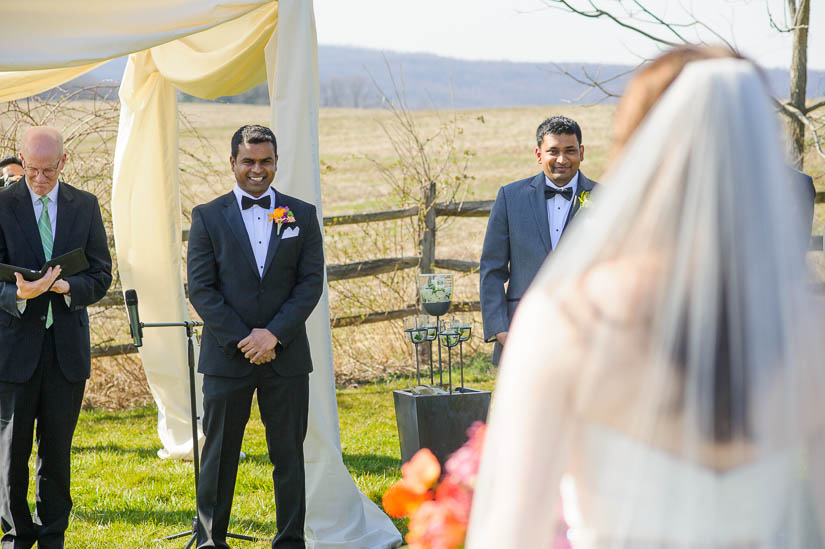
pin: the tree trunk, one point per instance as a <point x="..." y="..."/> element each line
<point x="799" y="80"/>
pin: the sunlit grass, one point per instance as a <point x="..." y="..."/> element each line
<point x="125" y="496"/>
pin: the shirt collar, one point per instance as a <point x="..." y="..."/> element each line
<point x="573" y="183"/>
<point x="52" y="194"/>
<point x="240" y="193"/>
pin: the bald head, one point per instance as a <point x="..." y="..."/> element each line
<point x="42" y="138"/>
<point x="43" y="158"/>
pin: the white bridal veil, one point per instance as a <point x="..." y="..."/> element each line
<point x="666" y="366"/>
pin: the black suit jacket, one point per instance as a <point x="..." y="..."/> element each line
<point x="79" y="225"/>
<point x="232" y="298"/>
<point x="804" y="195"/>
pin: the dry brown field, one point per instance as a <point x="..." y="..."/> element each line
<point x="500" y="143"/>
<point x="352" y="141"/>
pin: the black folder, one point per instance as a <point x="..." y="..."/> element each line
<point x="70" y="264"/>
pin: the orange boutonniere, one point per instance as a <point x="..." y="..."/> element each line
<point x="281" y="215"/>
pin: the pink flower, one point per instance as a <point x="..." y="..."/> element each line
<point x="436" y="526"/>
<point x="463" y="464"/>
<point x="456" y="496"/>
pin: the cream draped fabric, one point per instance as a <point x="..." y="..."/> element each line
<point x="224" y="60"/>
<point x="207" y="49"/>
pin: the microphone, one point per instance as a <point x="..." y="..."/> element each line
<point x="135" y="327"/>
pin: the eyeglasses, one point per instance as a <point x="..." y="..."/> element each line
<point x="49" y="173"/>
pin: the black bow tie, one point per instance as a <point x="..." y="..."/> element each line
<point x="247" y="202"/>
<point x="550" y="192"/>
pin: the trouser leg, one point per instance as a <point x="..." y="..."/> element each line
<point x="284" y="405"/>
<point x="18" y="408"/>
<point x="57" y="416"/>
<point x="226" y="407"/>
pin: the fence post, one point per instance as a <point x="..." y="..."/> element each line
<point x="428" y="236"/>
<point x="427" y="259"/>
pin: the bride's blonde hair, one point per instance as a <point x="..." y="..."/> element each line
<point x="646" y="87"/>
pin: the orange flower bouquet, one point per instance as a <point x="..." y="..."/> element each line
<point x="281" y="215"/>
<point x="439" y="511"/>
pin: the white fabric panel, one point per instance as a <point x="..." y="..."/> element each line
<point x="147" y="227"/>
<point x="224" y="60"/>
<point x="96" y="30"/>
<point x="338" y="515"/>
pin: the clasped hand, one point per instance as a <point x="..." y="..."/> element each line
<point x="49" y="282"/>
<point x="259" y="346"/>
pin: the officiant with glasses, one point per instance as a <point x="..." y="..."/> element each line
<point x="45" y="356"/>
<point x="527" y="222"/>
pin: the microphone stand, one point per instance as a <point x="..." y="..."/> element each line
<point x="190" y="332"/>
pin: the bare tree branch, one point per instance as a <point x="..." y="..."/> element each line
<point x="792" y="112"/>
<point x="593" y="82"/>
<point x="599" y="13"/>
<point x="815" y="106"/>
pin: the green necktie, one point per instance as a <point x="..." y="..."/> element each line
<point x="44" y="225"/>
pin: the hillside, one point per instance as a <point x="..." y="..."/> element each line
<point x="348" y="78"/>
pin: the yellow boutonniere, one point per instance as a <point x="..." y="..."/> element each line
<point x="281" y="215"/>
<point x="584" y="199"/>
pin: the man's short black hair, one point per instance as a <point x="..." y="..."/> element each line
<point x="557" y="125"/>
<point x="10" y="160"/>
<point x="253" y="133"/>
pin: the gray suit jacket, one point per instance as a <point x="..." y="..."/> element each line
<point x="515" y="246"/>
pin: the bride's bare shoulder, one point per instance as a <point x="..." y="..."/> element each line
<point x="619" y="290"/>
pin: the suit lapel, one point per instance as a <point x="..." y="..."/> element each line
<point x="584" y="186"/>
<point x="539" y="206"/>
<point x="232" y="213"/>
<point x="274" y="237"/>
<point x="65" y="219"/>
<point x="24" y="212"/>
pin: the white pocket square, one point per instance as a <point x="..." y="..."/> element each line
<point x="289" y="232"/>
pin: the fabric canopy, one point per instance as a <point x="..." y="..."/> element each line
<point x="207" y="49"/>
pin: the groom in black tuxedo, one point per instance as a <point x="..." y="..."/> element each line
<point x="256" y="272"/>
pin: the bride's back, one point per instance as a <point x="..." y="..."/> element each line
<point x="666" y="357"/>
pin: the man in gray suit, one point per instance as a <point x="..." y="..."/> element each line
<point x="526" y="223"/>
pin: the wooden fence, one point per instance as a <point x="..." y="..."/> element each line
<point x="426" y="262"/>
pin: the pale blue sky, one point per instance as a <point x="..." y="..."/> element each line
<point x="525" y="30"/>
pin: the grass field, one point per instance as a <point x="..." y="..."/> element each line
<point x="124" y="496"/>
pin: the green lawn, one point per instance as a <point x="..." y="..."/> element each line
<point x="124" y="496"/>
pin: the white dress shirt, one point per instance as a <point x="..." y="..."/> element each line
<point x="258" y="225"/>
<point x="558" y="208"/>
<point x="38" y="209"/>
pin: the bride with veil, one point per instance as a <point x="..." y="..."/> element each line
<point x="666" y="366"/>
